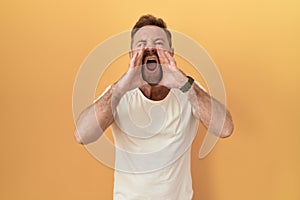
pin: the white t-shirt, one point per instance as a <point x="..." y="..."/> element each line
<point x="153" y="142"/>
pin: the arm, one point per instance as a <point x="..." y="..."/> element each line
<point x="96" y="118"/>
<point x="204" y="106"/>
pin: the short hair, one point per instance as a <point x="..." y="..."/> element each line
<point x="148" y="20"/>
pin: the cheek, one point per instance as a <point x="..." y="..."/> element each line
<point x="134" y="48"/>
<point x="163" y="47"/>
<point x="138" y="47"/>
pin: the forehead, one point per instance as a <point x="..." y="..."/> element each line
<point x="150" y="32"/>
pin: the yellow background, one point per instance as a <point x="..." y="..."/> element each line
<point x="255" y="44"/>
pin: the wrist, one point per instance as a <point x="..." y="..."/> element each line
<point x="186" y="86"/>
<point x="124" y="84"/>
<point x="182" y="81"/>
<point x="119" y="89"/>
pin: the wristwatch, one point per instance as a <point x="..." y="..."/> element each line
<point x="188" y="84"/>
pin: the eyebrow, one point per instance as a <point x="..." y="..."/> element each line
<point x="159" y="39"/>
<point x="144" y="41"/>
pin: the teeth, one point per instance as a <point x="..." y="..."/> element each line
<point x="150" y="59"/>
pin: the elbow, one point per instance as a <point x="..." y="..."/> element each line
<point x="77" y="137"/>
<point x="84" y="137"/>
<point x="227" y="130"/>
<point x="225" y="134"/>
<point x="87" y="129"/>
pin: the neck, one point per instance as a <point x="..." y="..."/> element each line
<point x="155" y="92"/>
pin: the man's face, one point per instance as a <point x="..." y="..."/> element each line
<point x="151" y="38"/>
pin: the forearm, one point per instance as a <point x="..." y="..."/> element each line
<point x="203" y="107"/>
<point x="87" y="127"/>
<point x="96" y="118"/>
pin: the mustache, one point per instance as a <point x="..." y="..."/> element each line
<point x="150" y="53"/>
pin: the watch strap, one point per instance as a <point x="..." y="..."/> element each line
<point x="188" y="84"/>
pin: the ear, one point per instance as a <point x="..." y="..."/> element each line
<point x="172" y="52"/>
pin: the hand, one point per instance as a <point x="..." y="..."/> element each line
<point x="133" y="77"/>
<point x="172" y="76"/>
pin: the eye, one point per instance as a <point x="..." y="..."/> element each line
<point x="159" y="43"/>
<point x="140" y="44"/>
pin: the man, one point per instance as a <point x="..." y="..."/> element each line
<point x="152" y="156"/>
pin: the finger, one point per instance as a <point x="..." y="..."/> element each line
<point x="136" y="57"/>
<point x="139" y="58"/>
<point x="162" y="57"/>
<point x="133" y="58"/>
<point x="170" y="58"/>
<point x="131" y="54"/>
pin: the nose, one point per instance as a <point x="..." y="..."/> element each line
<point x="150" y="50"/>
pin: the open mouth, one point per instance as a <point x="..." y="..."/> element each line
<point x="151" y="69"/>
<point x="151" y="64"/>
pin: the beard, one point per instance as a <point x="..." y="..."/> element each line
<point x="152" y="71"/>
